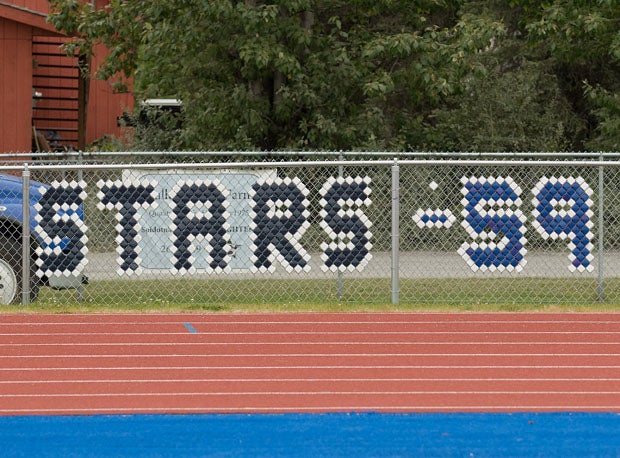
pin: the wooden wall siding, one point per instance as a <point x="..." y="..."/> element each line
<point x="55" y="76"/>
<point x="41" y="6"/>
<point x="23" y="13"/>
<point x="16" y="86"/>
<point x="31" y="58"/>
<point x="104" y="106"/>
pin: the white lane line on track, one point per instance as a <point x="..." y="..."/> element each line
<point x="312" y="380"/>
<point x="295" y="333"/>
<point x="197" y="320"/>
<point x="494" y="366"/>
<point x="346" y="408"/>
<point x="299" y="355"/>
<point x="257" y="319"/>
<point x="320" y="316"/>
<point x="258" y="322"/>
<point x="174" y="394"/>
<point x="258" y="343"/>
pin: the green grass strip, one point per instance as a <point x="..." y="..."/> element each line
<point x="286" y="295"/>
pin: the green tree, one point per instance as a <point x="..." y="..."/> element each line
<point x="522" y="109"/>
<point x="515" y="103"/>
<point x="583" y="39"/>
<point x="286" y="74"/>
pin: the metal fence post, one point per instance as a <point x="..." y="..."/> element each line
<point x="339" y="292"/>
<point x="26" y="235"/>
<point x="601" y="228"/>
<point x="395" y="230"/>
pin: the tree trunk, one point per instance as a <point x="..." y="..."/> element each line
<point x="256" y="86"/>
<point x="307" y="20"/>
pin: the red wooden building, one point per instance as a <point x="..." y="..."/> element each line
<point x="41" y="89"/>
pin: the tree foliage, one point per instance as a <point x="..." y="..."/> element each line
<point x="363" y="74"/>
<point x="583" y="38"/>
<point x="516" y="104"/>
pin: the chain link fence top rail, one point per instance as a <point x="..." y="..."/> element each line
<point x="121" y="229"/>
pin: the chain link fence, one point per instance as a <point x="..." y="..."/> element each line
<point x="214" y="228"/>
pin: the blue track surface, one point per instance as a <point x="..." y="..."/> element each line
<point x="324" y="435"/>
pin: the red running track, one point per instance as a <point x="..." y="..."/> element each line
<point x="396" y="362"/>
